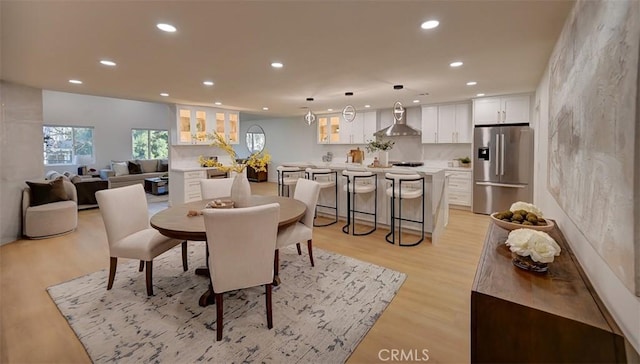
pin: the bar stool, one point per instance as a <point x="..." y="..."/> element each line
<point x="360" y="182"/>
<point x="287" y="177"/>
<point x="404" y="186"/>
<point x="326" y="178"/>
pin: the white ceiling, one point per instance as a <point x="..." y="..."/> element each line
<point x="327" y="47"/>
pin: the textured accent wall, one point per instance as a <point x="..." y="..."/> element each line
<point x="21" y="152"/>
<point x="592" y="122"/>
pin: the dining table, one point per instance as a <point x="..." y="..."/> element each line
<point x="179" y="222"/>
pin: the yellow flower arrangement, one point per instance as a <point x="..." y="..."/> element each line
<point x="257" y="161"/>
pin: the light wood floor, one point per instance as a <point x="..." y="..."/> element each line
<point x="431" y="310"/>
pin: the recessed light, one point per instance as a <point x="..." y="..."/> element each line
<point x="77" y="82"/>
<point x="166" y="27"/>
<point x="108" y="63"/>
<point x="456" y="64"/>
<point x="277" y="65"/>
<point x="329" y="109"/>
<point x="416" y="101"/>
<point x="471" y="83"/>
<point x="218" y="103"/>
<point x="164" y="94"/>
<point x="265" y="108"/>
<point x="430" y="24"/>
<point x="367" y="106"/>
<point x="207" y="83"/>
<point x="479" y="95"/>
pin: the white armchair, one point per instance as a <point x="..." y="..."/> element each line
<point x="240" y="257"/>
<point x="126" y="219"/>
<point x="306" y="191"/>
<point x="52" y="217"/>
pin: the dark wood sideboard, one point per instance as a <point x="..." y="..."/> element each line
<point x="255" y="176"/>
<point x="526" y="317"/>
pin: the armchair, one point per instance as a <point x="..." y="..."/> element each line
<point x="49" y="209"/>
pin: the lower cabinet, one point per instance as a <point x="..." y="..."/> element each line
<point x="459" y="188"/>
<point x="185" y="186"/>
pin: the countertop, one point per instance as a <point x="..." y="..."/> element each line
<point x="191" y="169"/>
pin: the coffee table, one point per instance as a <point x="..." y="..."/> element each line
<point x="156" y="186"/>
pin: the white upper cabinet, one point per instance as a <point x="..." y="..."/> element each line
<point x="510" y="109"/>
<point x="194" y="124"/>
<point x="446" y="123"/>
<point x="333" y="129"/>
<point x="429" y="124"/>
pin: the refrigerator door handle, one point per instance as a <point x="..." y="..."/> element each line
<point x="497" y="153"/>
<point x="500" y="184"/>
<point x="502" y="154"/>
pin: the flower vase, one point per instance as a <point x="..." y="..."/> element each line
<point x="383" y="158"/>
<point x="240" y="190"/>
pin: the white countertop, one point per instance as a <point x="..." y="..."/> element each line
<point x="427" y="170"/>
<point x="191" y="169"/>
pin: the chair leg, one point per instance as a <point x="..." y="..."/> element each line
<point x="149" y="278"/>
<point x="185" y="264"/>
<point x="276" y="268"/>
<point x="310" y="249"/>
<point x="113" y="264"/>
<point x="141" y="268"/>
<point x="298" y="247"/>
<point x="218" y="316"/>
<point x="268" y="301"/>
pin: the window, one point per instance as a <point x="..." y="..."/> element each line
<point x="150" y="144"/>
<point x="68" y="145"/>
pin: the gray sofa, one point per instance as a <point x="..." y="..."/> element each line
<point x="135" y="171"/>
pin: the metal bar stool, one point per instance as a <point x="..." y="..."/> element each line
<point x="326" y="178"/>
<point x="287" y="177"/>
<point x="359" y="182"/>
<point x="404" y="186"/>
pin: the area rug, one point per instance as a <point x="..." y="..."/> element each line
<point x="320" y="313"/>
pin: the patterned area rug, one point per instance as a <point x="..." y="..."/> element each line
<point x="320" y="313"/>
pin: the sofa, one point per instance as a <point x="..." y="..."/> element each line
<point x="131" y="172"/>
<point x="86" y="187"/>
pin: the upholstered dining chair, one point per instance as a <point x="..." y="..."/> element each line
<point x="306" y="191"/>
<point x="126" y="219"/>
<point x="215" y="188"/>
<point x="240" y="257"/>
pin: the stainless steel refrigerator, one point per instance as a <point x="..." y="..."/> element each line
<point x="502" y="167"/>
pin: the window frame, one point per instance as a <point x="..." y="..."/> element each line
<point x="148" y="130"/>
<point x="73" y="159"/>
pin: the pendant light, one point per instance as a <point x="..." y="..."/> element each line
<point x="310" y="117"/>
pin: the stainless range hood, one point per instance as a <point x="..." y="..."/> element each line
<point x="399" y="127"/>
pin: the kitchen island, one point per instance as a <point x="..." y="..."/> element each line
<point x="434" y="198"/>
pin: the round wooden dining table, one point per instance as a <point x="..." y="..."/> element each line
<point x="176" y="223"/>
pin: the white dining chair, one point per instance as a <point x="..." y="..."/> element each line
<point x="126" y="220"/>
<point x="215" y="188"/>
<point x="306" y="191"/>
<point x="241" y="257"/>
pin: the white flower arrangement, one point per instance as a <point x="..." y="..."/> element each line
<point x="537" y="245"/>
<point x="525" y="206"/>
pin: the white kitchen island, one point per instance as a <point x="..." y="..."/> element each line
<point x="434" y="198"/>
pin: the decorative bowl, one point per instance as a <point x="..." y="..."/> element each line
<point x="512" y="226"/>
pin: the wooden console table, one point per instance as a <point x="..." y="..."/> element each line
<point x="520" y="316"/>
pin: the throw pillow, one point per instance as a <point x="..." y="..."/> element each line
<point x="148" y="165"/>
<point x="134" y="168"/>
<point x="47" y="192"/>
<point x="121" y="168"/>
<point x="163" y="165"/>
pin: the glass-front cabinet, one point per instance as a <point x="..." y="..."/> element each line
<point x="329" y="129"/>
<point x="196" y="125"/>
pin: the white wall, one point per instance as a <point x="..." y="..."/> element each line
<point x="620" y="301"/>
<point x="21" y="151"/>
<point x="112" y="119"/>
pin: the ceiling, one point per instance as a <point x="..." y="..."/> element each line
<point x="327" y="47"/>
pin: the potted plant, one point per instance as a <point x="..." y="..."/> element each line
<point x="383" y="149"/>
<point x="465" y="162"/>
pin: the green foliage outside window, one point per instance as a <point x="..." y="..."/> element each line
<point x="150" y="144"/>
